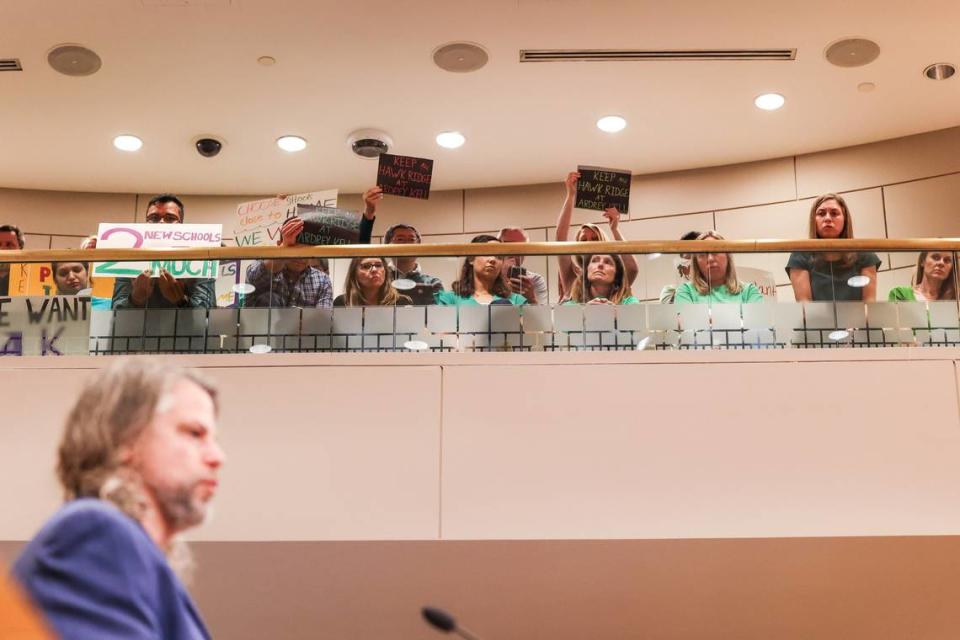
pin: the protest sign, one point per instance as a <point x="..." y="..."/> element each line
<point x="257" y="223"/>
<point x="405" y="176"/>
<point x="36" y="279"/>
<point x="37" y="326"/>
<point x="600" y="189"/>
<point x="158" y="236"/>
<point x="326" y="225"/>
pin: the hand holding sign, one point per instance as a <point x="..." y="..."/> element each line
<point x="289" y="231"/>
<point x="371" y="198"/>
<point x="405" y="176"/>
<point x="600" y="189"/>
<point x="324" y="225"/>
<point x="613" y="217"/>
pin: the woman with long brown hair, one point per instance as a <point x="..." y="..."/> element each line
<point x="833" y="276"/>
<point x="481" y="281"/>
<point x="571" y="267"/>
<point x="604" y="282"/>
<point x="368" y="284"/>
<point x="934" y="279"/>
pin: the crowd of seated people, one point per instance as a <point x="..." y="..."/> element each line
<point x="588" y="278"/>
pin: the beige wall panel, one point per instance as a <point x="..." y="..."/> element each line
<point x="887" y="280"/>
<point x="204" y="209"/>
<point x="36" y="241"/>
<point x="46" y="212"/>
<point x="442" y="213"/>
<point x="35" y="407"/>
<point x="324" y="453"/>
<point x="529" y="206"/>
<point x="925" y="208"/>
<point x="714" y="188"/>
<point x="879" y="163"/>
<point x="309" y="456"/>
<point x="654" y="274"/>
<point x="652" y="462"/>
<point x="66" y="242"/>
<point x="785" y="293"/>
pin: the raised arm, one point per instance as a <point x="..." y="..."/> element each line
<point x="568" y="272"/>
<point x="630" y="265"/>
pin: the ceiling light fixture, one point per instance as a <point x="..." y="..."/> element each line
<point x="291" y="144"/>
<point x="769" y="101"/>
<point x="940" y="71"/>
<point x="450" y="139"/>
<point x="611" y="124"/>
<point x="127" y="142"/>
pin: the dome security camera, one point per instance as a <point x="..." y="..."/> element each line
<point x="369" y="143"/>
<point x="208" y="147"/>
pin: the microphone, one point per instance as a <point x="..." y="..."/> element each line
<point x="443" y="621"/>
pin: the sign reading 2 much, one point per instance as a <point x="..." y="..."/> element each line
<point x="158" y="236"/>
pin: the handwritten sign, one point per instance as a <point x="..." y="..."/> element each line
<point x="405" y="176"/>
<point x="600" y="189"/>
<point x="35" y="326"/>
<point x="158" y="236"/>
<point x="257" y="223"/>
<point x="324" y="225"/>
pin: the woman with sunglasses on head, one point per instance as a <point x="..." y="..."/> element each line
<point x="934" y="279"/>
<point x="481" y="281"/>
<point x="604" y="282"/>
<point x="713" y="278"/>
<point x="571" y="267"/>
<point x="369" y="284"/>
<point x="831" y="276"/>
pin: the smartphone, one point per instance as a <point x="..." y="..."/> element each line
<point x="516" y="272"/>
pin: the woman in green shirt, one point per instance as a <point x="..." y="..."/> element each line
<point x="713" y="278"/>
<point x="933" y="281"/>
<point x="481" y="281"/>
<point x="604" y="281"/>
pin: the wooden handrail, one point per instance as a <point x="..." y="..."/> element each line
<point x="470" y="249"/>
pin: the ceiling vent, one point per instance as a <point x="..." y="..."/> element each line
<point x="10" y="64"/>
<point x="620" y="55"/>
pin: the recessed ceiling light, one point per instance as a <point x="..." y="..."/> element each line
<point x="291" y="143"/>
<point x="450" y="139"/>
<point x="769" y="101"/>
<point x="611" y="124"/>
<point x="127" y="143"/>
<point x="866" y="87"/>
<point x="940" y="71"/>
<point x="267" y="61"/>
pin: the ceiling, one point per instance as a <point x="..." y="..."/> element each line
<point x="174" y="70"/>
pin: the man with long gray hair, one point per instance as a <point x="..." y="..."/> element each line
<point x="138" y="463"/>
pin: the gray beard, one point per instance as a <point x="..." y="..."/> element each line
<point x="179" y="509"/>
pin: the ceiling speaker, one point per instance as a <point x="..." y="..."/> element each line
<point x="852" y="52"/>
<point x="73" y="60"/>
<point x="460" y="57"/>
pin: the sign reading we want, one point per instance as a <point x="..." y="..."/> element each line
<point x="44" y="326"/>
<point x="158" y="236"/>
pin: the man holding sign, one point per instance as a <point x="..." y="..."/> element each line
<point x="293" y="282"/>
<point x="164" y="292"/>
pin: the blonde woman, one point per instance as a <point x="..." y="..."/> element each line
<point x="604" y="282"/>
<point x="572" y="268"/>
<point x="827" y="276"/>
<point x="368" y="284"/>
<point x="933" y="281"/>
<point x="713" y="278"/>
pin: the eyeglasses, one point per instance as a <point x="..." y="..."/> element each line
<point x="378" y="266"/>
<point x="169" y="218"/>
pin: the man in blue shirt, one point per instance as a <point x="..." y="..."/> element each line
<point x="165" y="291"/>
<point x="138" y="462"/>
